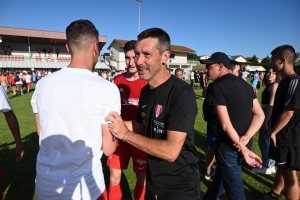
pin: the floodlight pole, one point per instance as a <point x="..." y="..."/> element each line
<point x="139" y="16"/>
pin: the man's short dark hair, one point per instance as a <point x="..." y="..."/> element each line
<point x="164" y="41"/>
<point x="178" y="69"/>
<point x="233" y="65"/>
<point x="79" y="33"/>
<point x="130" y="45"/>
<point x="285" y="51"/>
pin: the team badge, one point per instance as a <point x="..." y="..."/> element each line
<point x="158" y="110"/>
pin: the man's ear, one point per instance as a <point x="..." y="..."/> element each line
<point x="165" y="57"/>
<point x="96" y="48"/>
<point x="68" y="49"/>
<point x="283" y="60"/>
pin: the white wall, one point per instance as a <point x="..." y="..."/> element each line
<point x="179" y="58"/>
<point x="119" y="56"/>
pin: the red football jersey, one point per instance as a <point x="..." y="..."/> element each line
<point x="130" y="94"/>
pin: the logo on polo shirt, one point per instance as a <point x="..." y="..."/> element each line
<point x="158" y="110"/>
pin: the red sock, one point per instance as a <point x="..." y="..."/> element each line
<point x="115" y="192"/>
<point x="139" y="192"/>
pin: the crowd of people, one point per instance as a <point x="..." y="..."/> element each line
<point x="148" y="115"/>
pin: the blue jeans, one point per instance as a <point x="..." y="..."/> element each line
<point x="228" y="176"/>
<point x="264" y="143"/>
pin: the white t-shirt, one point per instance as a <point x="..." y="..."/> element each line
<point x="192" y="76"/>
<point x="4" y="102"/>
<point x="28" y="78"/>
<point x="72" y="104"/>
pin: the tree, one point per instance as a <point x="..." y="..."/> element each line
<point x="192" y="56"/>
<point x="297" y="59"/>
<point x="254" y="60"/>
<point x="266" y="62"/>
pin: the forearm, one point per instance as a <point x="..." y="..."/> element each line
<point x="37" y="123"/>
<point x="13" y="126"/>
<point x="281" y="122"/>
<point x="163" y="149"/>
<point x="257" y="121"/>
<point x="234" y="137"/>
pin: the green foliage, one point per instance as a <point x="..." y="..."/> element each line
<point x="266" y="62"/>
<point x="254" y="60"/>
<point x="192" y="56"/>
<point x="297" y="59"/>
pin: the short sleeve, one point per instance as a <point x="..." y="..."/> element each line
<point x="4" y="102"/>
<point x="113" y="102"/>
<point x="33" y="102"/>
<point x="183" y="111"/>
<point x="293" y="95"/>
<point x="218" y="96"/>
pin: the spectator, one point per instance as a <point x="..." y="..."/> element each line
<point x="179" y="73"/>
<point x="4" y="81"/>
<point x="285" y="148"/>
<point x="39" y="51"/>
<point x="57" y="52"/>
<point x="239" y="117"/>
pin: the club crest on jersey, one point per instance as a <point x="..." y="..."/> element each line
<point x="158" y="110"/>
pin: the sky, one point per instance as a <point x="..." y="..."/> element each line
<point x="236" y="27"/>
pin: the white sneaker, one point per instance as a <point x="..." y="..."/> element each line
<point x="263" y="170"/>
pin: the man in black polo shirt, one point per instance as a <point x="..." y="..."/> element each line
<point x="239" y="117"/>
<point x="167" y="111"/>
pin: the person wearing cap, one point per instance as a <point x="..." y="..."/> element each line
<point x="239" y="116"/>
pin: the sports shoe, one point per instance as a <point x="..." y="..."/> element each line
<point x="209" y="175"/>
<point x="263" y="170"/>
<point x="267" y="196"/>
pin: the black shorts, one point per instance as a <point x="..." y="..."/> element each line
<point x="286" y="156"/>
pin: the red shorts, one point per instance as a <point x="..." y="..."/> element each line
<point x="103" y="196"/>
<point x="120" y="158"/>
<point x="28" y="84"/>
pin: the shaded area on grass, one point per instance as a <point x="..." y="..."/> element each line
<point x="19" y="178"/>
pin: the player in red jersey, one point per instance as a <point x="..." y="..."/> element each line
<point x="130" y="86"/>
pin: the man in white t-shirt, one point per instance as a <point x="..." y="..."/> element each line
<point x="70" y="108"/>
<point x="13" y="125"/>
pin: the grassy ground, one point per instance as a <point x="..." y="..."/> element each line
<point x="18" y="180"/>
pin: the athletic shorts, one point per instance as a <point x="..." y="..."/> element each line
<point x="120" y="158"/>
<point x="28" y="84"/>
<point x="286" y="156"/>
<point x="19" y="86"/>
<point x="211" y="139"/>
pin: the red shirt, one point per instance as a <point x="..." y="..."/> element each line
<point x="10" y="80"/>
<point x="130" y="94"/>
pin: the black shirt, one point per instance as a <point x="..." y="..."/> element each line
<point x="265" y="95"/>
<point x="237" y="95"/>
<point x="209" y="113"/>
<point x="288" y="94"/>
<point x="170" y="106"/>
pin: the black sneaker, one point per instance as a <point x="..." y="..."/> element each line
<point x="209" y="175"/>
<point x="267" y="196"/>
